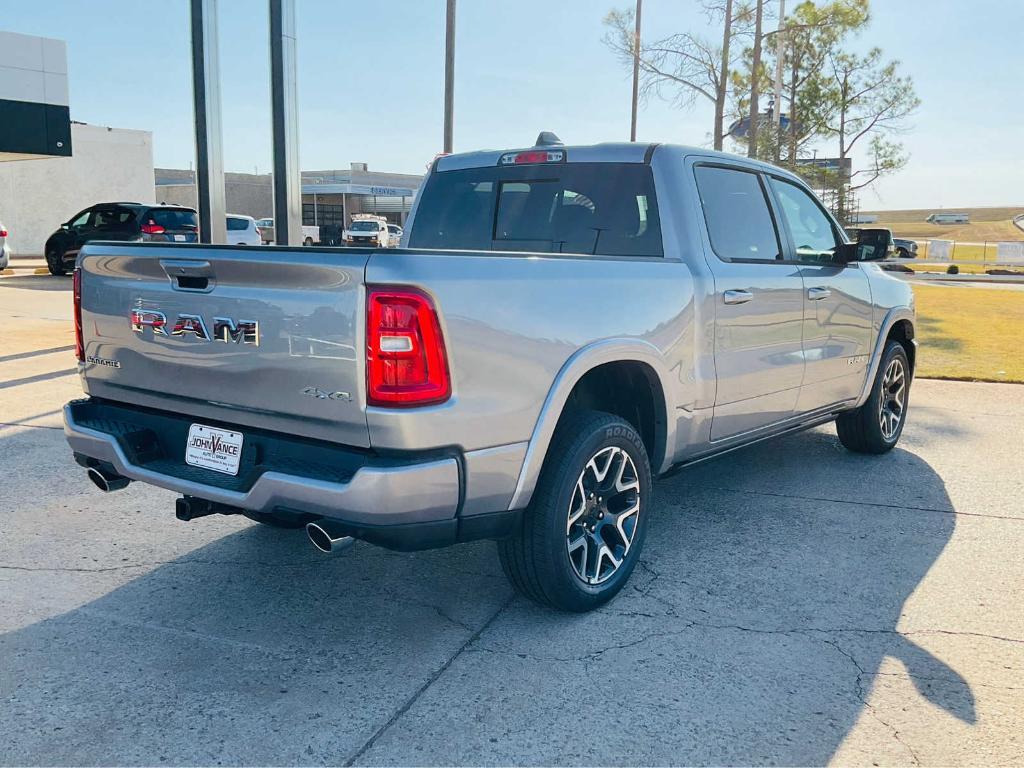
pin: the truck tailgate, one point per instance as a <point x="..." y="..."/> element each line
<point x="262" y="337"/>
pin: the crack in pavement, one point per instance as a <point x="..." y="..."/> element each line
<point x="863" y="698"/>
<point x="864" y="503"/>
<point x="161" y="563"/>
<point x="427" y="684"/>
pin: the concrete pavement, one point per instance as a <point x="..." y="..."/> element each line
<point x="795" y="604"/>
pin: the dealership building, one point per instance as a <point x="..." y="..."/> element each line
<point x="328" y="197"/>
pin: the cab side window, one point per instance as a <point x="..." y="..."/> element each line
<point x="814" y="236"/>
<point x="736" y="210"/>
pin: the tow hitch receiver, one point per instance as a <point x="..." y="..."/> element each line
<point x="189" y="508"/>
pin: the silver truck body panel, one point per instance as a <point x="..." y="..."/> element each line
<point x="307" y="304"/>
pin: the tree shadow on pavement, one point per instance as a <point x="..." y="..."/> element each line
<point x="768" y="597"/>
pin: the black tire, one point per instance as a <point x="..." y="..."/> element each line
<point x="277" y="521"/>
<point x="903" y="253"/>
<point x="537" y="559"/>
<point x="867" y="429"/>
<point x="55" y="262"/>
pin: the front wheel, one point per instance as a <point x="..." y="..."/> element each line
<point x="876" y="426"/>
<point x="583" y="532"/>
<point x="55" y="262"/>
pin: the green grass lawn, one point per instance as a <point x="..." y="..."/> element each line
<point x="970" y="333"/>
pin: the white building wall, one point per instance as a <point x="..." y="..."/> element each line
<point x="36" y="196"/>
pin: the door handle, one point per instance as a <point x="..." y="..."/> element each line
<point x="819" y="293"/>
<point x="737" y="297"/>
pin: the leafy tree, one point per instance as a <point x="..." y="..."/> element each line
<point x="870" y="101"/>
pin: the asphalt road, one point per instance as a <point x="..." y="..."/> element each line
<point x="795" y="604"/>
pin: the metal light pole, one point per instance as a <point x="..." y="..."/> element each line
<point x="780" y="52"/>
<point x="285" y="124"/>
<point x="206" y="102"/>
<point x="636" y="70"/>
<point x="449" y="75"/>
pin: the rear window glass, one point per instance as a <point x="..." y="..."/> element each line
<point x="236" y="224"/>
<point x="171" y="218"/>
<point x="606" y="209"/>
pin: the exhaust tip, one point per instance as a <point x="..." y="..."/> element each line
<point x="322" y="539"/>
<point x="107" y="481"/>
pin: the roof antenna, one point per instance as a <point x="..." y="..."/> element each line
<point x="548" y="139"/>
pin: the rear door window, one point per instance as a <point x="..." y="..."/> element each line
<point x="591" y="208"/>
<point x="173" y="218"/>
<point x="736" y="210"/>
<point x="114" y="220"/>
<point x="236" y="224"/>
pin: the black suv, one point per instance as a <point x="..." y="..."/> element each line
<point x="119" y="221"/>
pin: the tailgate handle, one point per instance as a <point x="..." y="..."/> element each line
<point x="189" y="274"/>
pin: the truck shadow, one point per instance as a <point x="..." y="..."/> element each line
<point x="768" y="600"/>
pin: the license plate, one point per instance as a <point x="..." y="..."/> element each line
<point x="212" y="448"/>
<point x="179" y="238"/>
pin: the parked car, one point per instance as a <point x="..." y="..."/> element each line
<point x="905" y="249"/>
<point x="310" y="234"/>
<point x="5" y="247"/>
<point x="854" y="233"/>
<point x="567" y="324"/>
<point x="119" y="221"/>
<point x="242" y="230"/>
<point x="395" y="235"/>
<point x="370" y="231"/>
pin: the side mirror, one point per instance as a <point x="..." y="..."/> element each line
<point x="874" y="245"/>
<point x="65" y="225"/>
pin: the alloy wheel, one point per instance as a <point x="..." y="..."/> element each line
<point x="892" y="403"/>
<point x="603" y="515"/>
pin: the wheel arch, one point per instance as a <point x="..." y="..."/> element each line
<point x="901" y="322"/>
<point x="581" y="381"/>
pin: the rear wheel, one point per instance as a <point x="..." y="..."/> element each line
<point x="308" y="241"/>
<point x="876" y="426"/>
<point x="584" y="530"/>
<point x="903" y="253"/>
<point x="55" y="262"/>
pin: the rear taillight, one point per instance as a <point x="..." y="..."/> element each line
<point x="76" y="290"/>
<point x="153" y="229"/>
<point x="3" y="233"/>
<point x="406" y="364"/>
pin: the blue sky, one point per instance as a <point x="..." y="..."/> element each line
<point x="371" y="79"/>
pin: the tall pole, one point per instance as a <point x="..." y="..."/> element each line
<point x="206" y="102"/>
<point x="755" y="80"/>
<point x="636" y="70"/>
<point x="780" y="54"/>
<point x="449" y="75"/>
<point x="284" y="122"/>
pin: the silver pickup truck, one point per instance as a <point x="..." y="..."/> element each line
<point x="561" y="326"/>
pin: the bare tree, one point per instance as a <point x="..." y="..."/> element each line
<point x="683" y="67"/>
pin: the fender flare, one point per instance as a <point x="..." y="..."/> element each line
<point x="581" y="362"/>
<point x="893" y="316"/>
